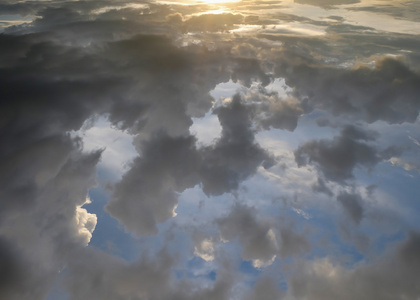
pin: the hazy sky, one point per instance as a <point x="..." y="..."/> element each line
<point x="242" y="150"/>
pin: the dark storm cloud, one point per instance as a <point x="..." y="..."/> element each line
<point x="337" y="158"/>
<point x="388" y="91"/>
<point x="42" y="186"/>
<point x="11" y="267"/>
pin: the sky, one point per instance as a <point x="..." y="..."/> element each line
<point x="213" y="150"/>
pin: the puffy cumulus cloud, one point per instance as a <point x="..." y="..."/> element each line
<point x="85" y="222"/>
<point x="395" y="272"/>
<point x="235" y="155"/>
<point x="386" y="91"/>
<point x="272" y="110"/>
<point x="338" y="157"/>
<point x="148" y="192"/>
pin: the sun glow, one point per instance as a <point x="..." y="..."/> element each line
<point x="216" y="1"/>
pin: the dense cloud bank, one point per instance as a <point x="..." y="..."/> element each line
<point x="152" y="70"/>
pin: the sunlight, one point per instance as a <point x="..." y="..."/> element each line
<point x="216" y="1"/>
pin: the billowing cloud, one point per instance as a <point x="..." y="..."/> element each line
<point x="338" y="157"/>
<point x="257" y="238"/>
<point x="277" y="205"/>
<point x="147" y="194"/>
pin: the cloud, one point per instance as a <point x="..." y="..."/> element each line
<point x="264" y="289"/>
<point x="235" y="156"/>
<point x="274" y="111"/>
<point x="205" y="249"/>
<point x="395" y="272"/>
<point x="169" y="165"/>
<point x="257" y="238"/>
<point x="147" y="193"/>
<point x="352" y="205"/>
<point x="262" y="239"/>
<point x="337" y="158"/>
<point x="41" y="210"/>
<point x="96" y="275"/>
<point x="212" y="22"/>
<point x="327" y="3"/>
<point x="85" y="222"/>
<point x="387" y="91"/>
<point x="150" y="68"/>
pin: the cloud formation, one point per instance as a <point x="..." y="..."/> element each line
<point x="193" y="221"/>
<point x="338" y="157"/>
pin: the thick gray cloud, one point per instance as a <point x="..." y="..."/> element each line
<point x="236" y="155"/>
<point x="148" y="192"/>
<point x="262" y="240"/>
<point x="388" y="91"/>
<point x="96" y="275"/>
<point x="258" y="241"/>
<point x="338" y="157"/>
<point x="42" y="219"/>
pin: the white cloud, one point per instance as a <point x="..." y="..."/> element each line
<point x="85" y="222"/>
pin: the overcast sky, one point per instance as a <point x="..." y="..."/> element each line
<point x="212" y="150"/>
